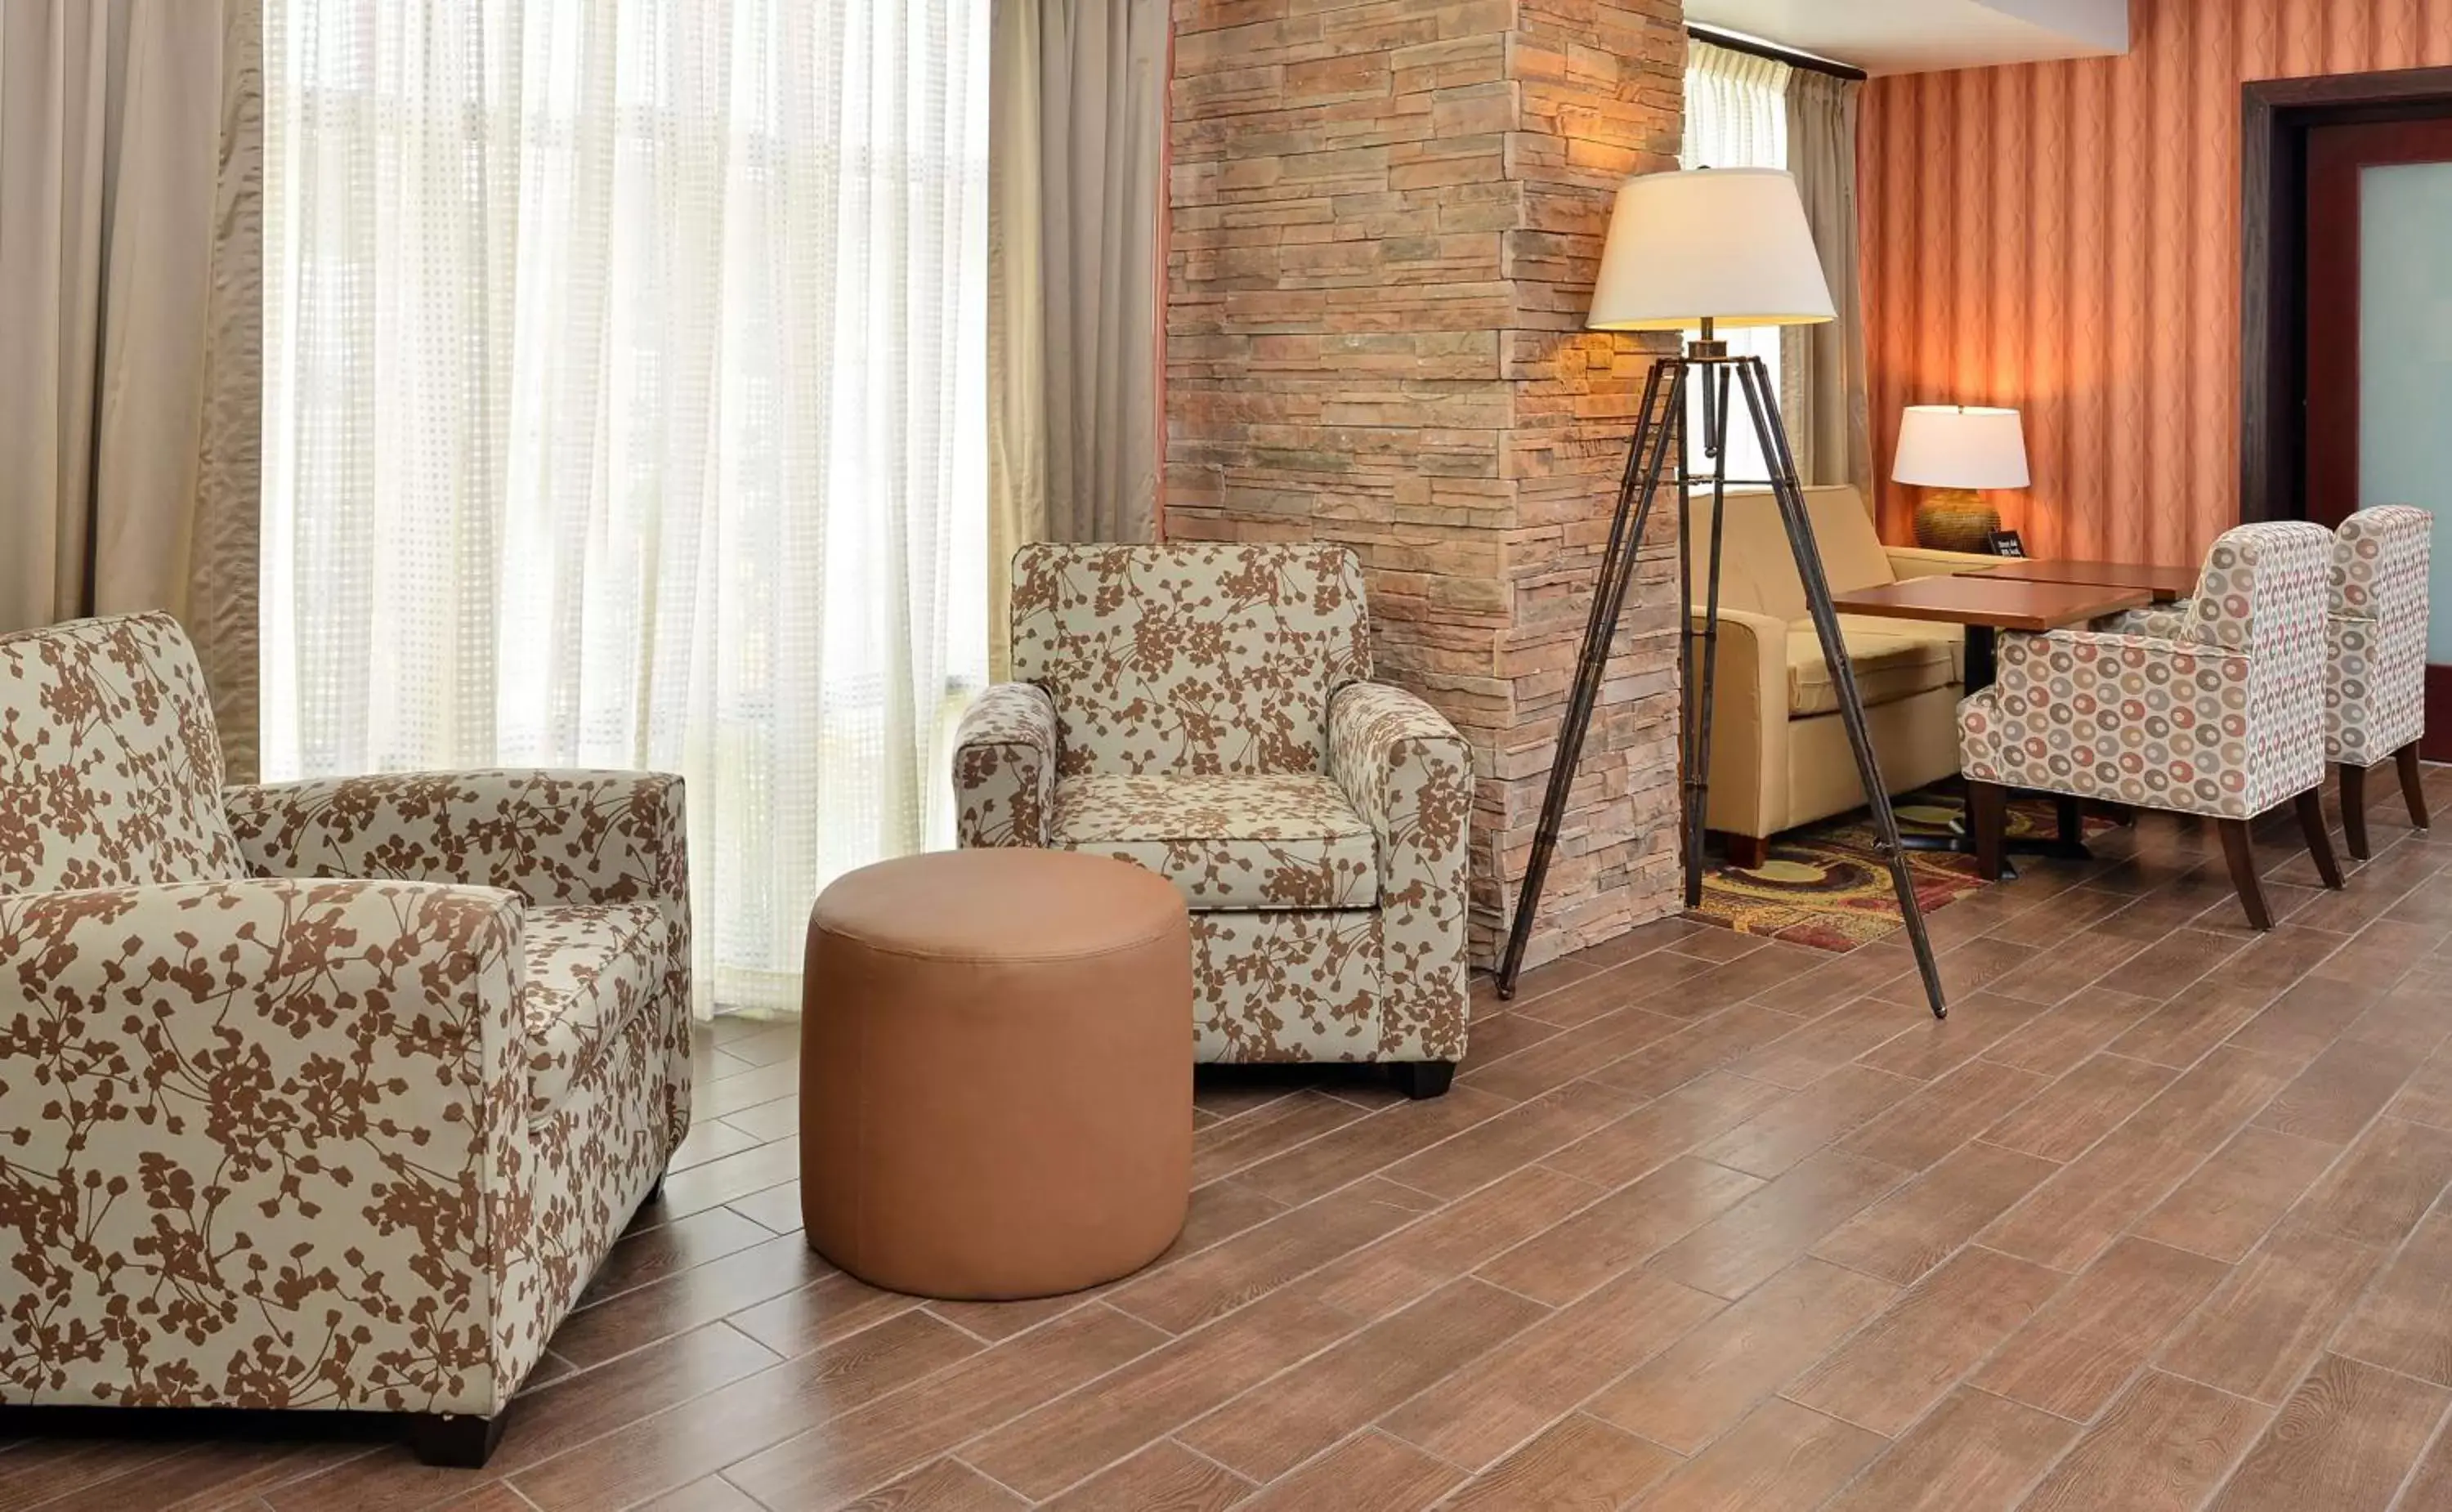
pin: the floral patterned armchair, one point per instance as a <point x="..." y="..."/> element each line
<point x="326" y="1095"/>
<point x="1205" y="710"/>
<point x="2214" y="711"/>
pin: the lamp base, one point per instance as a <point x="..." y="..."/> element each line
<point x="1956" y="519"/>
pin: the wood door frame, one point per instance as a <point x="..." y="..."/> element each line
<point x="2275" y="117"/>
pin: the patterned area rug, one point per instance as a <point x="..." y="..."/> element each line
<point x="1824" y="885"/>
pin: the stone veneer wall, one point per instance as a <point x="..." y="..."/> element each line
<point x="1386" y="220"/>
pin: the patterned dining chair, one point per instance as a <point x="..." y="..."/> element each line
<point x="2218" y="715"/>
<point x="2375" y="657"/>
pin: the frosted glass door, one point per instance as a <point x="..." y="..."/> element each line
<point x="2406" y="358"/>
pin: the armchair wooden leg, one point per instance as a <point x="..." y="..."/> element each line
<point x="1747" y="852"/>
<point x="2241" y="852"/>
<point x="2354" y="807"/>
<point x="1987" y="815"/>
<point x="458" y="1441"/>
<point x="1423" y="1079"/>
<point x="2319" y="841"/>
<point x="2406" y="758"/>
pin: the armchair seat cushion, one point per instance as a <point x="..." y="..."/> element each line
<point x="1281" y="840"/>
<point x="1894" y="658"/>
<point x="590" y="968"/>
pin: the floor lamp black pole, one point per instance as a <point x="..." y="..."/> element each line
<point x="1660" y="428"/>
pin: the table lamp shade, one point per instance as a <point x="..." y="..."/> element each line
<point x="1727" y="244"/>
<point x="1960" y="446"/>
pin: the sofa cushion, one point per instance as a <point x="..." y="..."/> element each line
<point x="1894" y="658"/>
<point x="590" y="967"/>
<point x="1290" y="840"/>
<point x="110" y="768"/>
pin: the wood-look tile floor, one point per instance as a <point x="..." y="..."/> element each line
<point x="2154" y="1219"/>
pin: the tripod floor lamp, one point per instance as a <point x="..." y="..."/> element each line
<point x="1707" y="249"/>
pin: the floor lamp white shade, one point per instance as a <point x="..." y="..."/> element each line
<point x="1725" y="245"/>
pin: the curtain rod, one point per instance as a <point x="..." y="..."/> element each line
<point x="1765" y="50"/>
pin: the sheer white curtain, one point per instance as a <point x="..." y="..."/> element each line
<point x="624" y="408"/>
<point x="1736" y="117"/>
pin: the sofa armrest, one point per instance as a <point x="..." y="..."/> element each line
<point x="1005" y="768"/>
<point x="1922" y="561"/>
<point x="1750" y="755"/>
<point x="269" y="1144"/>
<point x="1409" y="773"/>
<point x="551" y="835"/>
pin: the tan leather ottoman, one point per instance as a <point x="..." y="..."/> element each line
<point x="996" y="1072"/>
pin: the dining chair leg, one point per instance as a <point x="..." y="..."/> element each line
<point x="2319" y="841"/>
<point x="2406" y="758"/>
<point x="2354" y="808"/>
<point x="1988" y="815"/>
<point x="2241" y="852"/>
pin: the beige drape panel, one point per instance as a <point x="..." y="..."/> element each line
<point x="1076" y="92"/>
<point x="131" y="269"/>
<point x="1823" y="365"/>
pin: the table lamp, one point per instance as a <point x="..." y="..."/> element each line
<point x="1950" y="451"/>
<point x="1700" y="249"/>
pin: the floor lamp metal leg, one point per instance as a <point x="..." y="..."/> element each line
<point x="1646" y="462"/>
<point x="1755" y="380"/>
<point x="1698" y="794"/>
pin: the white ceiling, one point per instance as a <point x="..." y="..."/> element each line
<point x="1917" y="36"/>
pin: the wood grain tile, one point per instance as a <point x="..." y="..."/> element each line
<point x="1267" y="1432"/>
<point x="2404" y="1321"/>
<point x="2080" y="1107"/>
<point x="709" y="1433"/>
<point x="1370" y="1472"/>
<point x="2076" y="1353"/>
<point x="1575" y="1463"/>
<point x="940" y="1485"/>
<point x="687" y="1298"/>
<point x="1755" y="1239"/>
<point x="1166" y="1474"/>
<point x="1621" y="1230"/>
<point x="2243" y="1190"/>
<point x="2386" y="1182"/>
<point x="711" y="1494"/>
<point x="1816" y="1049"/>
<point x="1498" y="1401"/>
<point x="2256" y="1333"/>
<point x="1933" y="1047"/>
<point x="2339" y="1092"/>
<point x="2162" y="1448"/>
<point x="834" y="1306"/>
<point x="1782" y="1458"/>
<point x="1775" y="1139"/>
<point x="1414" y="1262"/>
<point x="1670" y="1062"/>
<point x="1519" y="1136"/>
<point x="1662" y="1129"/>
<point x="1972" y="1453"/>
<point x="1050" y="1448"/>
<point x="866" y="1447"/>
<point x="1947" y="1113"/>
<point x="1911" y="1353"/>
<point x="2343" y="1441"/>
<point x="2055" y="1042"/>
<point x="1920" y="1225"/>
<point x="1221" y="1278"/>
<point x="1228" y="1146"/>
<point x="1568" y="1056"/>
<point x="1701" y="1386"/>
<point x="1368" y="1144"/>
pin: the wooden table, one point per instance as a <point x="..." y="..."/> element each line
<point x="1987" y="605"/>
<point x="2167" y="585"/>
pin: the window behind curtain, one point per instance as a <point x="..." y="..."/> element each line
<point x="1736" y="117"/>
<point x="624" y="408"/>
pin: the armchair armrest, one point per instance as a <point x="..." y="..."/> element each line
<point x="1749" y="757"/>
<point x="550" y="835"/>
<point x="1922" y="561"/>
<point x="268" y="1144"/>
<point x="1005" y="768"/>
<point x="1409" y="773"/>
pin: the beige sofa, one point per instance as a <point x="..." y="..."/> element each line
<point x="1779" y="753"/>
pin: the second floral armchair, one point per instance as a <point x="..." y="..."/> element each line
<point x="1205" y="710"/>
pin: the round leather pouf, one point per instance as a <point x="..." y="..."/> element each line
<point x="996" y="1072"/>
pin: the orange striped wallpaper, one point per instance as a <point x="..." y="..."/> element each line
<point x="2064" y="237"/>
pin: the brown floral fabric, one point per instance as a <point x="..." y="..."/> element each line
<point x="1004" y="766"/>
<point x="111" y="772"/>
<point x="1288" y="840"/>
<point x="351" y="1133"/>
<point x="1202" y="711"/>
<point x="1204" y="660"/>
